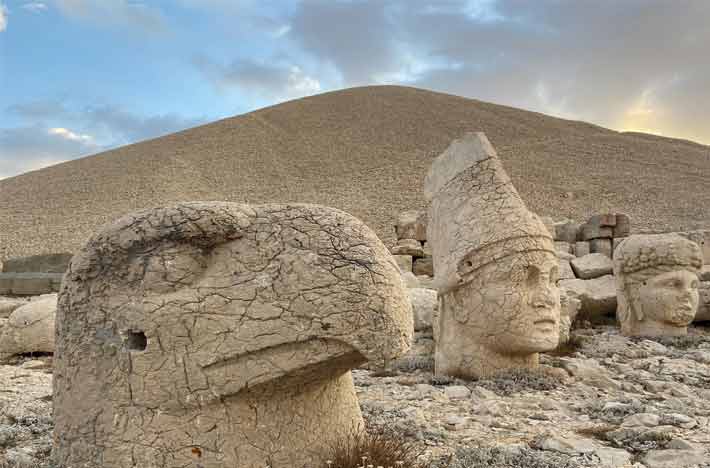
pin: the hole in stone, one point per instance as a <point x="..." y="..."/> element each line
<point x="136" y="340"/>
<point x="197" y="452"/>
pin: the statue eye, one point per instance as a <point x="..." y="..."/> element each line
<point x="533" y="276"/>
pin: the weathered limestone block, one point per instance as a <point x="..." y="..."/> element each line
<point x="566" y="231"/>
<point x="594" y="231"/>
<point x="30" y="328"/>
<point x="495" y="264"/>
<point x="45" y="263"/>
<point x="424" y="304"/>
<point x="602" y="220"/>
<point x="565" y="270"/>
<point x="411" y="225"/>
<point x="404" y="262"/>
<point x="408" y="247"/>
<point x="423" y="266"/>
<point x="703" y="313"/>
<point x="657" y="284"/>
<point x="565" y="247"/>
<point x="623" y="225"/>
<point x="598" y="295"/>
<point x="591" y="266"/>
<point x="217" y="335"/>
<point x="581" y="248"/>
<point x="601" y="246"/>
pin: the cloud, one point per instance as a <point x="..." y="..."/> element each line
<point x="269" y="80"/>
<point x="42" y="142"/>
<point x="31" y="147"/>
<point x="35" y="7"/>
<point x="69" y="135"/>
<point x="3" y="17"/>
<point x="126" y="127"/>
<point x="603" y="62"/>
<point x="138" y="15"/>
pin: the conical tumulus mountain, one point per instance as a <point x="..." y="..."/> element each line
<point x="366" y="151"/>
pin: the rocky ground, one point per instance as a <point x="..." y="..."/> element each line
<point x="606" y="400"/>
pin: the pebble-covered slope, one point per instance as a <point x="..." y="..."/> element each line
<point x="366" y="151"/>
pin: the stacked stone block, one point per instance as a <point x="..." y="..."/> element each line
<point x="412" y="253"/>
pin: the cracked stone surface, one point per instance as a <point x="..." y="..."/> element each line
<point x="217" y="334"/>
<point x="30" y="328"/>
<point x="657" y="284"/>
<point x="495" y="262"/>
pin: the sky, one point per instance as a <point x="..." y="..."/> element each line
<point x="78" y="77"/>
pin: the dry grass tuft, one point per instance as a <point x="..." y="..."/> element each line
<point x="380" y="447"/>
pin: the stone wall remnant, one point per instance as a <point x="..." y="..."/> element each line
<point x="657" y="284"/>
<point x="495" y="264"/>
<point x="215" y="334"/>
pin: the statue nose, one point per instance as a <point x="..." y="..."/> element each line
<point x="543" y="296"/>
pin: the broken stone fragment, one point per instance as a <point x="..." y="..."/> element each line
<point x="408" y="247"/>
<point x="598" y="296"/>
<point x="591" y="266"/>
<point x="222" y="333"/>
<point x="30" y="328"/>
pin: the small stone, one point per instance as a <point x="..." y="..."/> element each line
<point x="673" y="458"/>
<point x="680" y="444"/>
<point x="705" y="272"/>
<point x="654" y="347"/>
<point x="426" y="389"/>
<point x="613" y="457"/>
<point x="641" y="420"/>
<point x="483" y="393"/>
<point x="457" y="392"/>
<point x="568" y="445"/>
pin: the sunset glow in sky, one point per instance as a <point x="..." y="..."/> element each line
<point x="80" y="76"/>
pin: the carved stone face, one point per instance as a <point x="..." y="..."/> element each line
<point x="669" y="298"/>
<point x="513" y="306"/>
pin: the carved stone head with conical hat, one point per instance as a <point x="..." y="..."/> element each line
<point x="495" y="265"/>
<point x="657" y="284"/>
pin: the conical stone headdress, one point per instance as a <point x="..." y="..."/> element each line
<point x="476" y="216"/>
